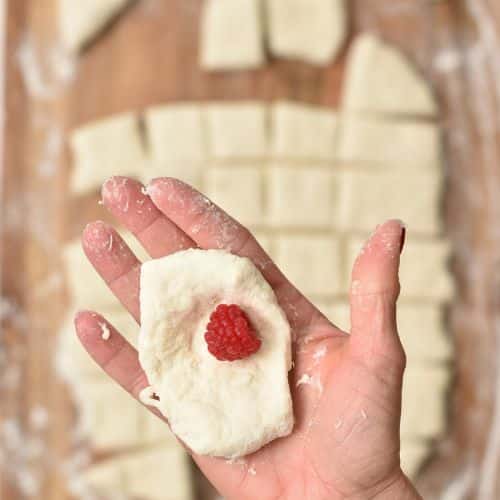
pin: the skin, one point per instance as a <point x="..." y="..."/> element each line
<point x="345" y="443"/>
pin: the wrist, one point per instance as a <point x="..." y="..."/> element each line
<point x="399" y="488"/>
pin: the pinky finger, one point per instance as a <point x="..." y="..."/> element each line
<point x="112" y="352"/>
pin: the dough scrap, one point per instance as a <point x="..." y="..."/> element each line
<point x="237" y="130"/>
<point x="368" y="197"/>
<point x="232" y="35"/>
<point x="301" y="197"/>
<point x="303" y="132"/>
<point x="402" y="144"/>
<point x="413" y="455"/>
<point x="105" y="148"/>
<point x="161" y="473"/>
<point x="380" y="79"/>
<point x="424" y="387"/>
<point x="239" y="191"/>
<point x="311" y="30"/>
<point x="312" y="263"/>
<point x="80" y="21"/>
<point x="178" y="142"/>
<point x="216" y="408"/>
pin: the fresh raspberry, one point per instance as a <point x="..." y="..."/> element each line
<point x="230" y="335"/>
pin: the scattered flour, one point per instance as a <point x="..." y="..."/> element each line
<point x="106" y="334"/>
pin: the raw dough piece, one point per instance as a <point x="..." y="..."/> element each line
<point x="424" y="387"/>
<point x="312" y="263"/>
<point x="399" y="144"/>
<point x="423" y="273"/>
<point x="237" y="130"/>
<point x="86" y="288"/>
<point x="422" y="331"/>
<point x="238" y="190"/>
<point x="265" y="241"/>
<point x="368" y="198"/>
<point x="232" y="35"/>
<point x="162" y="473"/>
<point x="379" y="79"/>
<point x="73" y="361"/>
<point x="312" y="30"/>
<point x="413" y="455"/>
<point x="303" y="132"/>
<point x="81" y="20"/>
<point x="102" y="149"/>
<point x="217" y="408"/>
<point x="301" y="197"/>
<point x="177" y="141"/>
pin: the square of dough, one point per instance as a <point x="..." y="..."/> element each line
<point x="237" y="130"/>
<point x="301" y="196"/>
<point x="162" y="473"/>
<point x="389" y="143"/>
<point x="111" y="417"/>
<point x="312" y="263"/>
<point x="232" y="35"/>
<point x="156" y="431"/>
<point x="424" y="388"/>
<point x="423" y="273"/>
<point x="105" y="478"/>
<point x="265" y="241"/>
<point x="74" y="362"/>
<point x="177" y="141"/>
<point x="105" y="148"/>
<point x="368" y="198"/>
<point x="422" y="332"/>
<point x="413" y="454"/>
<point x="81" y="20"/>
<point x="311" y="30"/>
<point x="380" y="79"/>
<point x="86" y="288"/>
<point x="238" y="191"/>
<point x="303" y="132"/>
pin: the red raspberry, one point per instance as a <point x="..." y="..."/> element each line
<point x="230" y="335"/>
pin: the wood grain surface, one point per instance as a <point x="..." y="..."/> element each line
<point x="149" y="56"/>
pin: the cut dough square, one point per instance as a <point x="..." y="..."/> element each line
<point x="424" y="387"/>
<point x="74" y="362"/>
<point x="81" y="20"/>
<point x="232" y="36"/>
<point x="341" y="315"/>
<point x="237" y="130"/>
<point x="105" y="478"/>
<point x="107" y="428"/>
<point x="85" y="287"/>
<point x="312" y="263"/>
<point x="311" y="30"/>
<point x="178" y="142"/>
<point x="158" y="474"/>
<point x="303" y="132"/>
<point x="389" y="143"/>
<point x="423" y="273"/>
<point x="238" y="191"/>
<point x="265" y="241"/>
<point x="413" y="455"/>
<point x="301" y="196"/>
<point x="156" y="431"/>
<point x="102" y="149"/>
<point x="380" y="79"/>
<point x="368" y="198"/>
<point x="422" y="331"/>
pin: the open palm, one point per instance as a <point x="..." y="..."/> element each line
<point x="346" y="389"/>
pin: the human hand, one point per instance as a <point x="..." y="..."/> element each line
<point x="345" y="443"/>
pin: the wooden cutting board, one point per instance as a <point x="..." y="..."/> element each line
<point x="149" y="56"/>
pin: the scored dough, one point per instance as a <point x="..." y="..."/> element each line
<point x="232" y="36"/>
<point x="312" y="30"/>
<point x="82" y="20"/>
<point x="217" y="408"/>
<point x="379" y="79"/>
<point x="105" y="148"/>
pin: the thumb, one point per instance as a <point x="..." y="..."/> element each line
<point x="373" y="295"/>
